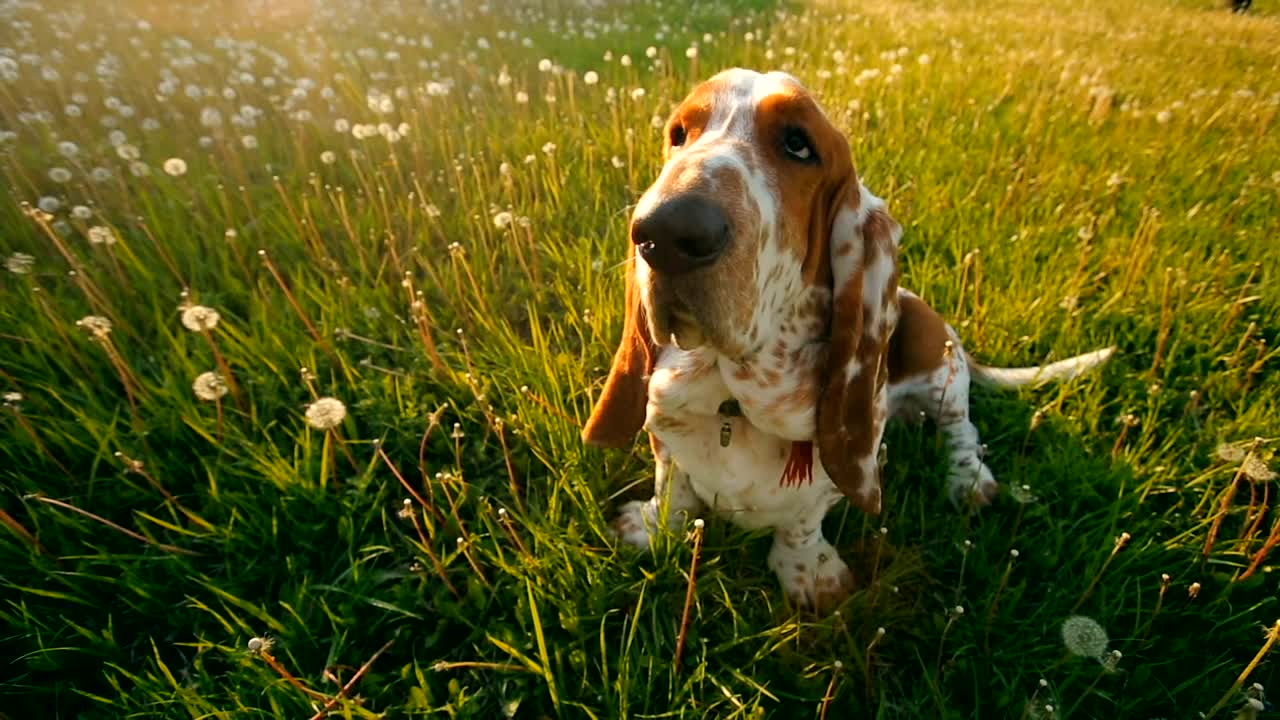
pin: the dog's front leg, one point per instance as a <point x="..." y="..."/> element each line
<point x="673" y="499"/>
<point x="809" y="568"/>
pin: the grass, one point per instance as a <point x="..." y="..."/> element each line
<point x="1069" y="175"/>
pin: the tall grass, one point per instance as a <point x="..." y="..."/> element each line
<point x="420" y="211"/>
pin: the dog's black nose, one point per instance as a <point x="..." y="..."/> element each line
<point x="681" y="234"/>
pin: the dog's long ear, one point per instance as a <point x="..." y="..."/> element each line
<point x="620" y="410"/>
<point x="862" y="247"/>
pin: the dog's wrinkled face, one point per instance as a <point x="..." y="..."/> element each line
<point x="735" y="227"/>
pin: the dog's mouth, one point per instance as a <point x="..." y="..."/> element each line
<point x="671" y="320"/>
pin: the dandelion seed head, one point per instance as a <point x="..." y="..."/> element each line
<point x="60" y="175"/>
<point x="591" y="77"/>
<point x="699" y="523"/>
<point x="19" y="263"/>
<point x="326" y="413"/>
<point x="198" y="318"/>
<point x="102" y="235"/>
<point x="261" y="644"/>
<point x="209" y="386"/>
<point x="1083" y="636"/>
<point x="96" y="325"/>
<point x="176" y="167"/>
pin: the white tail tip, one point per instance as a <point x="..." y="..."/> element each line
<point x="1068" y="369"/>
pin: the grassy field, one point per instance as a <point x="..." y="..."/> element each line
<point x="419" y="209"/>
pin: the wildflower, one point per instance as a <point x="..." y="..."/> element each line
<point x="328" y="157"/>
<point x="544" y="65"/>
<point x="522" y="97"/>
<point x="12" y="398"/>
<point x="95" y="324"/>
<point x="617" y="162"/>
<point x="651" y="52"/>
<point x="1163" y="117"/>
<point x="249" y="142"/>
<point x="102" y="235"/>
<point x="175" y="167"/>
<point x="19" y="263"/>
<point x="923" y="59"/>
<point x="590" y="77"/>
<point x="625" y="61"/>
<point x="326" y="413"/>
<point x="60" y="175"/>
<point x="1083" y="636"/>
<point x="637" y="94"/>
<point x="49" y="204"/>
<point x="502" y="219"/>
<point x="209" y="386"/>
<point x="81" y="212"/>
<point x="100" y="174"/>
<point x="198" y="318"/>
<point x="1257" y="471"/>
<point x="260" y="644"/>
<point x="68" y="149"/>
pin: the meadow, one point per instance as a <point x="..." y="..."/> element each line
<point x="304" y="304"/>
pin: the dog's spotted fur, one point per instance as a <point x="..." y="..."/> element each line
<point x="800" y="321"/>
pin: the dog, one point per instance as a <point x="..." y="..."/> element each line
<point x="764" y="328"/>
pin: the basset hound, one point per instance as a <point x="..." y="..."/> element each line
<point x="766" y="341"/>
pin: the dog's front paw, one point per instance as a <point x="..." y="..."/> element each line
<point x="972" y="487"/>
<point x="813" y="576"/>
<point x="636" y="523"/>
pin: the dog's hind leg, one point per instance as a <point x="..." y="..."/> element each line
<point x="970" y="483"/>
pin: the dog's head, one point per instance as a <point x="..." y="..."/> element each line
<point x="757" y="208"/>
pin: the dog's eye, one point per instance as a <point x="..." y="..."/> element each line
<point x="677" y="135"/>
<point x="797" y="145"/>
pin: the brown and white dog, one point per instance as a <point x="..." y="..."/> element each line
<point x="764" y="317"/>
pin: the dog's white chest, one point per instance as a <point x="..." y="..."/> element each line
<point x="740" y="479"/>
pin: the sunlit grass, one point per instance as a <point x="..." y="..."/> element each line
<point x="420" y="213"/>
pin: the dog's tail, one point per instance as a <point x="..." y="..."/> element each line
<point x="1017" y="377"/>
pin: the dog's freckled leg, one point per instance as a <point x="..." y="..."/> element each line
<point x="809" y="568"/>
<point x="673" y="500"/>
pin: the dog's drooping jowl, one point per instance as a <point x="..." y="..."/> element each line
<point x="766" y="341"/>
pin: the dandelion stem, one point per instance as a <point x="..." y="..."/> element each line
<point x="688" y="596"/>
<point x="352" y="682"/>
<point x="1115" y="550"/>
<point x="1225" y="504"/>
<point x="289" y="678"/>
<point x="1273" y="634"/>
<point x="869" y="667"/>
<point x="1272" y="540"/>
<point x="431" y="554"/>
<point x="830" y="693"/>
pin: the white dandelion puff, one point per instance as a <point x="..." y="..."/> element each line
<point x="1083" y="636"/>
<point x="175" y="167"/>
<point x="209" y="386"/>
<point x="60" y="175"/>
<point x="591" y="77"/>
<point x="97" y="325"/>
<point x="102" y="235"/>
<point x="19" y="263"/>
<point x="198" y="318"/>
<point x="326" y="413"/>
